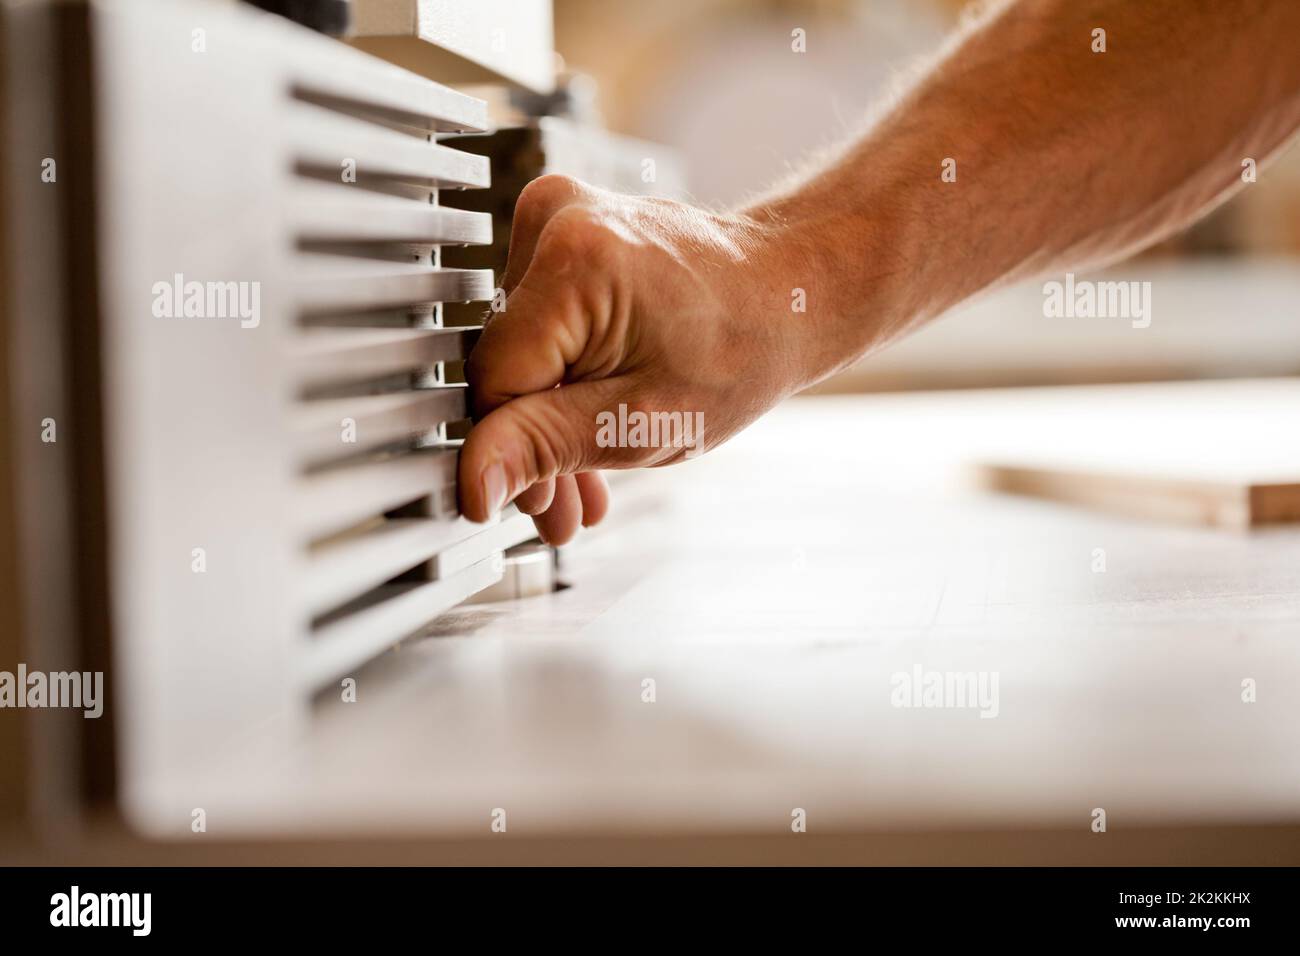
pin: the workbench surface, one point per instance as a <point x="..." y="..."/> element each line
<point x="774" y="590"/>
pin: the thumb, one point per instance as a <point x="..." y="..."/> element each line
<point x="533" y="438"/>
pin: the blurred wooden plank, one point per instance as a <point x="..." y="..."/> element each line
<point x="1207" y="453"/>
<point x="1224" y="504"/>
<point x="51" y="492"/>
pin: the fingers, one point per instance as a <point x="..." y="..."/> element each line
<point x="560" y="522"/>
<point x="530" y="439"/>
<point x="538" y="202"/>
<point x="562" y="316"/>
<point x="527" y="347"/>
<point x="526" y="350"/>
<point x="594" y="491"/>
<point x="518" y="356"/>
<point x="527" y="434"/>
<point x="537" y="498"/>
<point x="581" y="499"/>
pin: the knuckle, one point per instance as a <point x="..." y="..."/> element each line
<point x="543" y="430"/>
<point x="578" y="233"/>
<point x="546" y="193"/>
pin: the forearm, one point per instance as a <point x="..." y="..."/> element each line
<point x="1064" y="157"/>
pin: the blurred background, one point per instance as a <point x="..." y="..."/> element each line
<point x="716" y="80"/>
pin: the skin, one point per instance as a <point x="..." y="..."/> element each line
<point x="1066" y="159"/>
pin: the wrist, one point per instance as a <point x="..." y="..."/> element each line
<point x="834" y="277"/>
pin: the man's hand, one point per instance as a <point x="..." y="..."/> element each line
<point x="1025" y="148"/>
<point x="615" y="300"/>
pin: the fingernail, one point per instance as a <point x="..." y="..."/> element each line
<point x="494" y="488"/>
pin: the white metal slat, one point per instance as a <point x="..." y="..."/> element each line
<point x="332" y="501"/>
<point x="327" y="356"/>
<point x="360" y="82"/>
<point x="320" y="427"/>
<point x="351" y="117"/>
<point x="511" y="530"/>
<point x="396" y="612"/>
<point x="323" y="138"/>
<point x="329" y="284"/>
<point x="343" y="212"/>
<point x="342" y="570"/>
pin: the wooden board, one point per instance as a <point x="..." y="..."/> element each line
<point x="1208" y="453"/>
<point x="1226" y="504"/>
